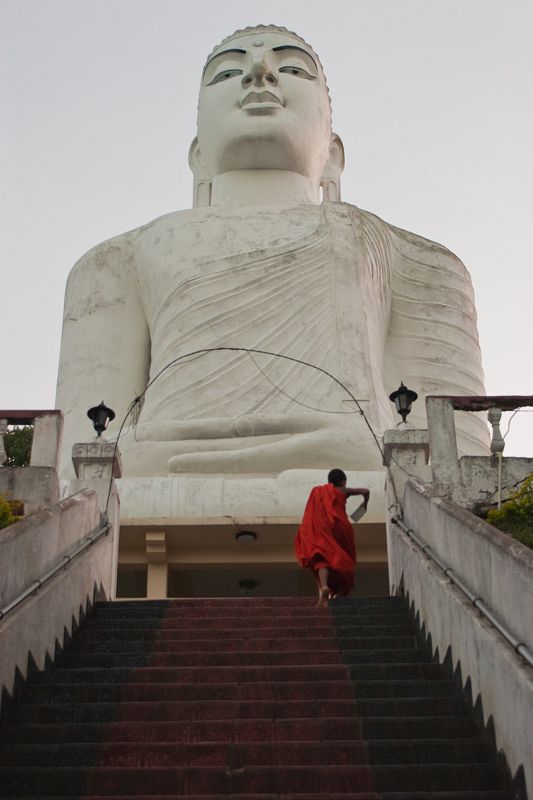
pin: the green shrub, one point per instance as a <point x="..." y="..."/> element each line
<point x="6" y="514"/>
<point x="516" y="515"/>
<point x="17" y="444"/>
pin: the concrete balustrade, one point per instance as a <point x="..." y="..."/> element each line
<point x="472" y="479"/>
<point x="431" y="456"/>
<point x="36" y="486"/>
<point x="30" y="548"/>
<point x="500" y="571"/>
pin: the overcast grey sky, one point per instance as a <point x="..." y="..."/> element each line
<point x="431" y="98"/>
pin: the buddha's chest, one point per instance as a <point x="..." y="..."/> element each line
<point x="181" y="250"/>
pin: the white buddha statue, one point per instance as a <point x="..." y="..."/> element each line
<point x="269" y="258"/>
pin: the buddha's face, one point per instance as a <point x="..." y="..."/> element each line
<point x="264" y="105"/>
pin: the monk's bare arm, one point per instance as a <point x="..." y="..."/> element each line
<point x="365" y="493"/>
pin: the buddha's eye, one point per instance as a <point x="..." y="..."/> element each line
<point x="298" y="72"/>
<point x="225" y="75"/>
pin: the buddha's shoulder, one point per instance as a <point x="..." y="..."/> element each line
<point x="117" y="254"/>
<point x="194" y="223"/>
<point x="201" y="233"/>
<point x="411" y="249"/>
<point x="113" y="254"/>
<point x="199" y="227"/>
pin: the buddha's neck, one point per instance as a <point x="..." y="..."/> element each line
<point x="264" y="187"/>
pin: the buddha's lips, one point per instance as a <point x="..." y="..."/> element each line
<point x="260" y="97"/>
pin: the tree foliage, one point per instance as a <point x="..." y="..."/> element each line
<point x="6" y="514"/>
<point x="516" y="515"/>
<point x="17" y="444"/>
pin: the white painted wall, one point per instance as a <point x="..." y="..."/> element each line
<point x="500" y="571"/>
<point x="28" y="549"/>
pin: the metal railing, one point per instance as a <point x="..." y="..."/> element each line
<point x="521" y="648"/>
<point x="88" y="542"/>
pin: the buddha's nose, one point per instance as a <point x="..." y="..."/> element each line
<point x="259" y="73"/>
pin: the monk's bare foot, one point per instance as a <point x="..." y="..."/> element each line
<point x="323" y="597"/>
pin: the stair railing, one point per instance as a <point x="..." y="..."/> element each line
<point x="34" y="587"/>
<point x="520" y="647"/>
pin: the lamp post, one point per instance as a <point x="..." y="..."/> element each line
<point x="403" y="398"/>
<point x="101" y="416"/>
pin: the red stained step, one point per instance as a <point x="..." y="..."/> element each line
<point x="226" y="731"/>
<point x="143" y="691"/>
<point x="257" y="699"/>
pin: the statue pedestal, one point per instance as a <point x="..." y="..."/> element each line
<point x="178" y="528"/>
<point x="208" y="497"/>
<point x="96" y="460"/>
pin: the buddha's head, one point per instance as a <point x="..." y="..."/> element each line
<point x="264" y="105"/>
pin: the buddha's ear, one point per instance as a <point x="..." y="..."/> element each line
<point x="330" y="180"/>
<point x="202" y="179"/>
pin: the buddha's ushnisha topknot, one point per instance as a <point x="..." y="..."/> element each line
<point x="270" y="29"/>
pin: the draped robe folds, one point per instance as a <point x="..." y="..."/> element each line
<point x="331" y="285"/>
<point x="320" y="300"/>
<point x="325" y="538"/>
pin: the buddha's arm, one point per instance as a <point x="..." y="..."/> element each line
<point x="433" y="340"/>
<point x="105" y="343"/>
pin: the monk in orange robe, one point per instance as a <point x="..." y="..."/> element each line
<point x="325" y="541"/>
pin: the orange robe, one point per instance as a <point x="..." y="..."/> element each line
<point x="325" y="538"/>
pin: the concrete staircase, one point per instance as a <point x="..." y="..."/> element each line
<point x="253" y="698"/>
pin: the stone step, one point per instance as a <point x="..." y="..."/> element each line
<point x="246" y="624"/>
<point x="221" y="674"/>
<point x="218" y="710"/>
<point x="236" y="692"/>
<point x="177" y="691"/>
<point x="384" y="656"/>
<point x="183" y="659"/>
<point x="41" y="781"/>
<point x="422" y="670"/>
<point x="210" y="623"/>
<point x="235" y="756"/>
<point x="157" y="691"/>
<point x="252" y="602"/>
<point x="249" y="646"/>
<point x="299" y="615"/>
<point x="258" y="698"/>
<point x="98" y="630"/>
<point x="263" y="626"/>
<point x="241" y="675"/>
<point x="460" y="795"/>
<point x="349" y="604"/>
<point x="108" y="660"/>
<point x="243" y="730"/>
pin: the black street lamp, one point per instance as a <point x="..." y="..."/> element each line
<point x="403" y="398"/>
<point x="101" y="416"/>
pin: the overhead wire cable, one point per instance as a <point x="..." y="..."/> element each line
<point x="305" y="405"/>
<point x="204" y="351"/>
<point x="513" y="415"/>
